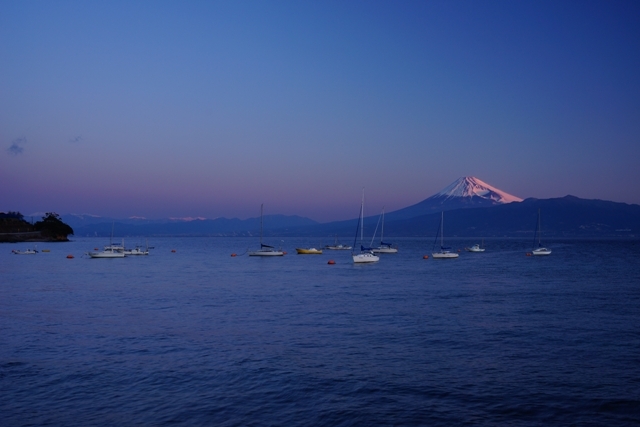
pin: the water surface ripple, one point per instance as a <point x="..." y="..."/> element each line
<point x="198" y="337"/>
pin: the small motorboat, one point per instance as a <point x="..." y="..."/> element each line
<point x="474" y="248"/>
<point x="25" y="252"/>
<point x="308" y="251"/>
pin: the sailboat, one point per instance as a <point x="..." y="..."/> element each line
<point x="384" y="248"/>
<point x="443" y="253"/>
<point x="540" y="250"/>
<point x="365" y="255"/>
<point x="265" y="250"/>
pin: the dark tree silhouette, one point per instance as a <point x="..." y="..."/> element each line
<point x="52" y="226"/>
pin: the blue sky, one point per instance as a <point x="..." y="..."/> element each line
<point x="175" y="109"/>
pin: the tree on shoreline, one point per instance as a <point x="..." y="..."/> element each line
<point x="52" y="226"/>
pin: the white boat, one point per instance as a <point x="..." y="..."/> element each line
<point x="265" y="250"/>
<point x="338" y="246"/>
<point x="25" y="252"/>
<point x="474" y="248"/>
<point x="109" y="251"/>
<point x="137" y="251"/>
<point x="365" y="255"/>
<point x="384" y="248"/>
<point x="444" y="252"/>
<point x="539" y="250"/>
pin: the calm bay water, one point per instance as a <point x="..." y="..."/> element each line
<point x="198" y="337"/>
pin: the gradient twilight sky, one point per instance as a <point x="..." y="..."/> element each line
<point x="210" y="108"/>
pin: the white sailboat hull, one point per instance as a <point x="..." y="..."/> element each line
<point x="540" y="252"/>
<point x="444" y="255"/>
<point x="383" y="250"/>
<point x="266" y="253"/>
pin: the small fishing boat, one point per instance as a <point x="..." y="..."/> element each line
<point x="25" y="252"/>
<point x="474" y="248"/>
<point x="109" y="251"/>
<point x="308" y="251"/>
<point x="137" y="251"/>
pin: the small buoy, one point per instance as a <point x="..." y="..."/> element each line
<point x="284" y="252"/>
<point x="331" y="262"/>
<point x="95" y="249"/>
<point x="70" y="256"/>
<point x="234" y="255"/>
<point x="528" y="253"/>
<point x="425" y="257"/>
<point x="458" y="250"/>
<point x="173" y="250"/>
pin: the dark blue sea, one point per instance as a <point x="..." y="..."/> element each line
<point x="197" y="337"/>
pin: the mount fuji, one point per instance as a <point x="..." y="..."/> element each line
<point x="465" y="192"/>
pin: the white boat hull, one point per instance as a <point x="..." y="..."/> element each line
<point x="383" y="250"/>
<point x="106" y="254"/>
<point x="540" y="252"/>
<point x="444" y="255"/>
<point x="474" y="248"/>
<point x="266" y="253"/>
<point x="365" y="258"/>
<point x="136" y="252"/>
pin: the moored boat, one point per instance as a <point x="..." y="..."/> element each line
<point x="265" y="250"/>
<point x="444" y="252"/>
<point x="539" y="250"/>
<point x="365" y="255"/>
<point x="308" y="251"/>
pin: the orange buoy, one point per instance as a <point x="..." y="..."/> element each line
<point x="95" y="249"/>
<point x="528" y="253"/>
<point x="173" y="250"/>
<point x="234" y="255"/>
<point x="425" y="257"/>
<point x="70" y="256"/>
<point x="331" y="262"/>
<point x="284" y="252"/>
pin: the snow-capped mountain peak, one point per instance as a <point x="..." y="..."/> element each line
<point x="469" y="186"/>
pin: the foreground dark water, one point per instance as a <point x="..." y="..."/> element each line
<point x="197" y="337"/>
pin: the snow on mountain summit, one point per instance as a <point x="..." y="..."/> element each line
<point x="469" y="186"/>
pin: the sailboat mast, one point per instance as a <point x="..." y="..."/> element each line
<point x="539" y="230"/>
<point x="382" y="229"/>
<point x="442" y="230"/>
<point x="261" y="206"/>
<point x="362" y="218"/>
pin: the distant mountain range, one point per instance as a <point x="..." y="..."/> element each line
<point x="473" y="209"/>
<point x="89" y="225"/>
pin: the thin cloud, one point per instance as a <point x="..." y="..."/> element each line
<point x="76" y="139"/>
<point x="17" y="146"/>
